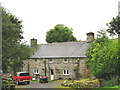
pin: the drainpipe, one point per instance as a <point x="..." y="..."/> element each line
<point x="44" y="65"/>
<point x="49" y="69"/>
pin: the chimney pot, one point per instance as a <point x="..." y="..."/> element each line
<point x="33" y="42"/>
<point x="90" y="37"/>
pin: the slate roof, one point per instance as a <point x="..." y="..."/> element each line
<point x="61" y="50"/>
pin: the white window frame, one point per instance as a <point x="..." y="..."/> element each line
<point x="65" y="72"/>
<point x="64" y="60"/>
<point x="50" y="61"/>
<point x="36" y="71"/>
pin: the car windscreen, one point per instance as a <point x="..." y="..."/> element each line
<point x="24" y="74"/>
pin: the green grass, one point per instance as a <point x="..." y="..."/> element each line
<point x="112" y="87"/>
<point x="32" y="81"/>
<point x="108" y="88"/>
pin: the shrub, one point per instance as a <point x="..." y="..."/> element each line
<point x="6" y="83"/>
<point x="109" y="83"/>
<point x="85" y="83"/>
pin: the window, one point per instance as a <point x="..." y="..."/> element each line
<point x="65" y="72"/>
<point x="24" y="74"/>
<point x="36" y="71"/>
<point x="50" y="61"/>
<point x="65" y="60"/>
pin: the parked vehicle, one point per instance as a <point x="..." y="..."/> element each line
<point x="43" y="79"/>
<point x="21" y="77"/>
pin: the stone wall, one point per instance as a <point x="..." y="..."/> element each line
<point x="75" y="67"/>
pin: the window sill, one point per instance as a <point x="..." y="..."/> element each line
<point x="66" y="74"/>
<point x="65" y="62"/>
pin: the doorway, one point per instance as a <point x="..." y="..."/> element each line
<point x="51" y="74"/>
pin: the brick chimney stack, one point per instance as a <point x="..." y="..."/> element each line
<point x="90" y="37"/>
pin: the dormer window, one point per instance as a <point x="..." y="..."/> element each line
<point x="50" y="61"/>
<point x="65" y="60"/>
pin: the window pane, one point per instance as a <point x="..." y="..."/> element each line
<point x="67" y="72"/>
<point x="64" y="72"/>
<point x="24" y="74"/>
<point x="37" y="70"/>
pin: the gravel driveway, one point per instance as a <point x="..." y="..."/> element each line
<point x="40" y="85"/>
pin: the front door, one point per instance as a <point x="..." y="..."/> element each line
<point x="51" y="74"/>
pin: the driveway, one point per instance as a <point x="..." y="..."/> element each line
<point x="40" y="85"/>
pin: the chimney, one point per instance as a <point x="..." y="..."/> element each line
<point x="90" y="37"/>
<point x="33" y="42"/>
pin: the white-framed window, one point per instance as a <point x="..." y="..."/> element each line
<point x="65" y="60"/>
<point x="36" y="71"/>
<point x="65" y="72"/>
<point x="50" y="61"/>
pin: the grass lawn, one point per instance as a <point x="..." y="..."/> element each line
<point x="32" y="81"/>
<point x="112" y="87"/>
<point x="108" y="88"/>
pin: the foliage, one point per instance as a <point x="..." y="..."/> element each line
<point x="6" y="83"/>
<point x="114" y="26"/>
<point x="102" y="57"/>
<point x="13" y="50"/>
<point x="60" y="33"/>
<point x="109" y="83"/>
<point x="84" y="83"/>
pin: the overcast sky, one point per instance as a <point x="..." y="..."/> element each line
<point x="39" y="16"/>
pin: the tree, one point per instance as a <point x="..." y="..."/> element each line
<point x="21" y="53"/>
<point x="102" y="57"/>
<point x="12" y="51"/>
<point x="114" y="26"/>
<point x="60" y="33"/>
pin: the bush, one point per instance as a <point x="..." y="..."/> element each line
<point x="85" y="83"/>
<point x="7" y="83"/>
<point x="109" y="83"/>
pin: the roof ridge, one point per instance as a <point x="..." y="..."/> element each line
<point x="60" y="43"/>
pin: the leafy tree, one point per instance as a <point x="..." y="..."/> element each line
<point x="60" y="33"/>
<point x="21" y="53"/>
<point x="102" y="57"/>
<point x="12" y="51"/>
<point x="114" y="26"/>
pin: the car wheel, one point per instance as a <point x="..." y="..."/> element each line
<point x="28" y="82"/>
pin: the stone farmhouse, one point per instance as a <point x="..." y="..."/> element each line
<point x="65" y="60"/>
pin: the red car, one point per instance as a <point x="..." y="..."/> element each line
<point x="21" y="77"/>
